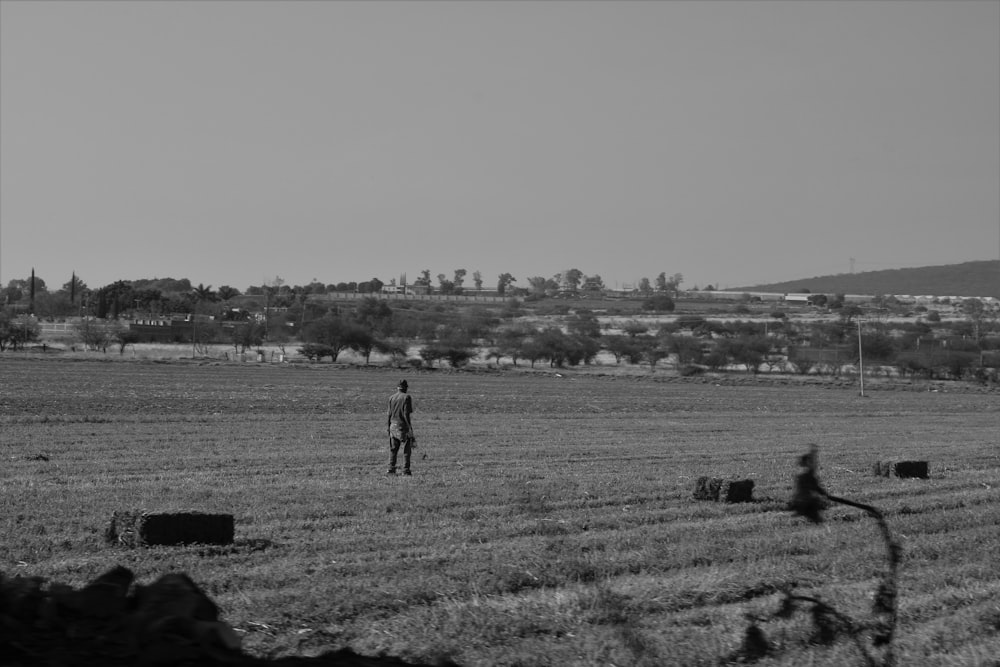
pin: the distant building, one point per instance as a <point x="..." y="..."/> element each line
<point x="797" y="298"/>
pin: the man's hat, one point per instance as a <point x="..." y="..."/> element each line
<point x="402" y="384"/>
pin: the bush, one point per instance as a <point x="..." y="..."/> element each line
<point x="316" y="352"/>
<point x="690" y="321"/>
<point x="689" y="370"/>
<point x="660" y="302"/>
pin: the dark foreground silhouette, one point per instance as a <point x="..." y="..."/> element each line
<point x="114" y="622"/>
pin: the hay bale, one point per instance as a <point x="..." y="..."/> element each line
<point x="136" y="529"/>
<point x="723" y="490"/>
<point x="737" y="491"/>
<point x="707" y="488"/>
<point x="904" y="469"/>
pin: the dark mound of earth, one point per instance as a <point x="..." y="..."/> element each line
<point x="115" y="622"/>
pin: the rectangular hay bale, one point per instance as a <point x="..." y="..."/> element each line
<point x="170" y="528"/>
<point x="707" y="488"/>
<point x="737" y="491"/>
<point x="724" y="490"/>
<point x="904" y="469"/>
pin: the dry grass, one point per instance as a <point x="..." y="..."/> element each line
<point x="551" y="522"/>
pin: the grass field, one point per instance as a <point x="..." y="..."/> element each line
<point x="549" y="520"/>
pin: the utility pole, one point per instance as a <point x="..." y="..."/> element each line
<point x="861" y="363"/>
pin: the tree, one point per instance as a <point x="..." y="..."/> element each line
<point x="584" y="323"/>
<point x="848" y="313"/>
<point x="819" y="300"/>
<point x="477" y="280"/>
<point x="801" y="361"/>
<point x="373" y="286"/>
<point x="749" y="351"/>
<point x="958" y="363"/>
<point x="203" y="293"/>
<point x="395" y="348"/>
<point x="75" y="287"/>
<point x="458" y="356"/>
<point x="5" y="323"/>
<point x="690" y="322"/>
<point x="975" y="310"/>
<point x="114" y="299"/>
<point x="510" y="341"/>
<point x="570" y="279"/>
<point x="375" y="315"/>
<point x="14" y="292"/>
<point x="645" y="288"/>
<point x="459" y="280"/>
<point x="445" y="286"/>
<point x="592" y="284"/>
<point x="360" y="339"/>
<point x="431" y="353"/>
<point x="634" y="328"/>
<point x="622" y="347"/>
<point x="331" y="332"/>
<point x="122" y="335"/>
<point x="652" y="351"/>
<point x="687" y="348"/>
<point x="226" y="293"/>
<point x="503" y="282"/>
<point x="538" y="285"/>
<point x="875" y="346"/>
<point x="246" y="335"/>
<point x="659" y="303"/>
<point x="17" y="332"/>
<point x="93" y="334"/>
<point x="531" y="349"/>
<point x="561" y="349"/>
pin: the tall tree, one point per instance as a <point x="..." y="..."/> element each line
<point x="74" y="286"/>
<point x="570" y="279"/>
<point x="445" y="286"/>
<point x="503" y="282"/>
<point x="225" y="293"/>
<point x="204" y="293"/>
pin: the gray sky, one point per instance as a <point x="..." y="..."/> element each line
<point x="733" y="142"/>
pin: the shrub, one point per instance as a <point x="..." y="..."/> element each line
<point x="316" y="352"/>
<point x="660" y="302"/>
<point x="689" y="370"/>
<point x="690" y="321"/>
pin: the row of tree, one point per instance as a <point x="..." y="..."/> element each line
<point x="691" y="342"/>
<point x="166" y="296"/>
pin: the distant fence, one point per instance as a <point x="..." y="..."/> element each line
<point x="57" y="327"/>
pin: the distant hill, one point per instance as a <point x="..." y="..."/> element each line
<point x="966" y="279"/>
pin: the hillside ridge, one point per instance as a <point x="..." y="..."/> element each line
<point x="969" y="279"/>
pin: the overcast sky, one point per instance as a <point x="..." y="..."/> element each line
<point x="733" y="142"/>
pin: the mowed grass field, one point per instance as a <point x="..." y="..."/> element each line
<point x="549" y="520"/>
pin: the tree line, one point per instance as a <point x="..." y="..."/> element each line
<point x="168" y="296"/>
<point x="693" y="344"/>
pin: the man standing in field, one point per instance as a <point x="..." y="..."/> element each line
<point x="400" y="427"/>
